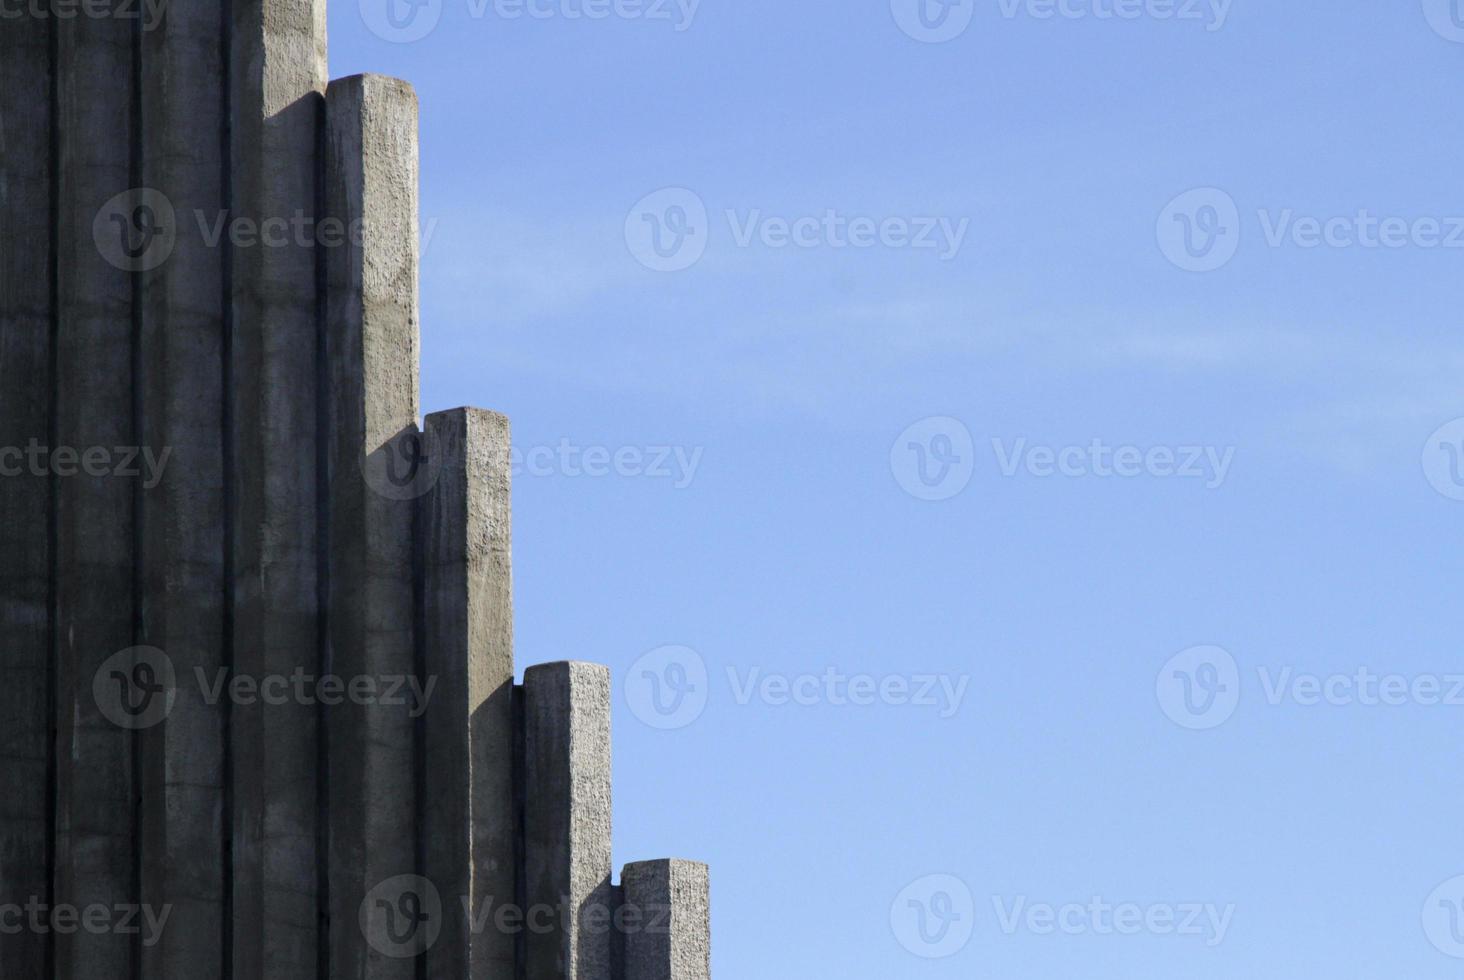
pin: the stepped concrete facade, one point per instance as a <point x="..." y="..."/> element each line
<point x="258" y="711"/>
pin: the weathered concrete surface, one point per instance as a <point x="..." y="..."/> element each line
<point x="371" y="348"/>
<point x="568" y="816"/>
<point x="666" y="921"/>
<point x="294" y="475"/>
<point x="278" y="75"/>
<point x="181" y="387"/>
<point x="25" y="398"/>
<point x="96" y="845"/>
<point x="468" y="818"/>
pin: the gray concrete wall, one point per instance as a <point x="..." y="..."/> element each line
<point x="467" y="805"/>
<point x="568" y="815"/>
<point x="96" y="835"/>
<point x="298" y="523"/>
<point x="180" y="390"/>
<point x="374" y="459"/>
<point x="25" y="401"/>
<point x="666" y="921"/>
<point x="277" y="56"/>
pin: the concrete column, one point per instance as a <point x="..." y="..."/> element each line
<point x="278" y="76"/>
<point x="96" y="833"/>
<point x="377" y="470"/>
<point x="181" y="386"/>
<point x="665" y="921"/>
<point x="468" y="817"/>
<point x="567" y="820"/>
<point x="26" y="751"/>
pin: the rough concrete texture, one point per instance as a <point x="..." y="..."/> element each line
<point x="667" y="921"/>
<point x="181" y="391"/>
<point x="277" y="54"/>
<point x="567" y="819"/>
<point x="374" y="459"/>
<point x="25" y="398"/>
<point x="96" y="842"/>
<point x="468" y="814"/>
<point x="298" y="525"/>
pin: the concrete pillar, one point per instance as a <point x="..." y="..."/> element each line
<point x="181" y="390"/>
<point x="567" y="820"/>
<point x="468" y="815"/>
<point x="96" y="858"/>
<point x="377" y="470"/>
<point x="665" y="921"/>
<point x="278" y="76"/>
<point x="26" y="750"/>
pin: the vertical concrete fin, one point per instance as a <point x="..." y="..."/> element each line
<point x="377" y="468"/>
<point x="181" y="758"/>
<point x="468" y="821"/>
<point x="567" y="819"/>
<point x="665" y="921"/>
<point x="26" y="749"/>
<point x="103" y="232"/>
<point x="277" y="76"/>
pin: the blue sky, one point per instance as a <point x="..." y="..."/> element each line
<point x="820" y="394"/>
